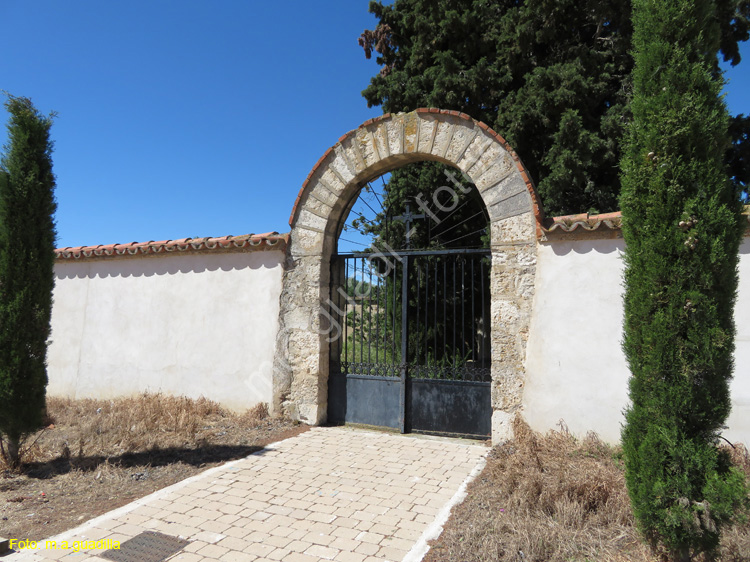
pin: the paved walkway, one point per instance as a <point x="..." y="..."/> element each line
<point x="328" y="494"/>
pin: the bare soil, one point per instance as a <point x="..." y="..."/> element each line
<point x="97" y="455"/>
<point x="553" y="498"/>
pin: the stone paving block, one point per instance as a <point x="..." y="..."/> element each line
<point x="425" y="519"/>
<point x="299" y="514"/>
<point x="373" y="538"/>
<point x="345" y="545"/>
<point x="233" y="543"/>
<point x="344" y="556"/>
<point x="128" y="530"/>
<point x="186" y="557"/>
<point x="230" y="509"/>
<point x="300" y="557"/>
<point x="195" y="545"/>
<point x="320" y="551"/>
<point x="367" y="548"/>
<point x="282" y="532"/>
<point x="228" y="518"/>
<point x="321" y="517"/>
<point x="214" y="526"/>
<point x="396" y="543"/>
<point x="234" y="556"/>
<point x="407" y="534"/>
<point x="260" y="550"/>
<point x="297" y="534"/>
<point x="176" y="529"/>
<point x="274" y="540"/>
<point x="385" y="530"/>
<point x="299" y="545"/>
<point x="280" y="554"/>
<point x="319" y="538"/>
<point x="345" y="532"/>
<point x="212" y="551"/>
<point x="389" y="553"/>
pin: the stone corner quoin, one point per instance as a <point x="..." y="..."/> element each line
<point x="378" y="146"/>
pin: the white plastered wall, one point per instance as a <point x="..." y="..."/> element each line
<point x="575" y="368"/>
<point x="200" y="324"/>
<point x="739" y="418"/>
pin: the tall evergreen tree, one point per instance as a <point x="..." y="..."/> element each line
<point x="27" y="242"/>
<point x="551" y="76"/>
<point x="681" y="221"/>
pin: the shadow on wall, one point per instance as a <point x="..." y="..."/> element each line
<point x="167" y="264"/>
<point x="745" y="246"/>
<point x="564" y="247"/>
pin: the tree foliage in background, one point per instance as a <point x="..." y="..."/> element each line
<point x="681" y="221"/>
<point x="27" y="242"/>
<point x="455" y="216"/>
<point x="551" y="76"/>
<point x="739" y="155"/>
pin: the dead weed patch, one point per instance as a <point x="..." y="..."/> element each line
<point x="553" y="498"/>
<point x="96" y="455"/>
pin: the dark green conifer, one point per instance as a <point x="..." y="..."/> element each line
<point x="681" y="221"/>
<point x="27" y="242"/>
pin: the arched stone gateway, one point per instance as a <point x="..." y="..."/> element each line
<point x="376" y="147"/>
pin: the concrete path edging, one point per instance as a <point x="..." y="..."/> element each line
<point x="419" y="550"/>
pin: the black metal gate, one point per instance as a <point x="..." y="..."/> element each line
<point x="409" y="341"/>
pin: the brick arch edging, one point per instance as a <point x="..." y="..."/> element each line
<point x="537" y="208"/>
<point x="300" y="375"/>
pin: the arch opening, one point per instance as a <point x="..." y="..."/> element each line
<point x="410" y="302"/>
<point x="446" y="212"/>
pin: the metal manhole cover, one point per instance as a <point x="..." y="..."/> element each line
<point x="149" y="546"/>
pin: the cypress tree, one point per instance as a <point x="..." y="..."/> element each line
<point x="681" y="221"/>
<point x="27" y="242"/>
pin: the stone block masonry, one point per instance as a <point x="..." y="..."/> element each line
<point x="379" y="146"/>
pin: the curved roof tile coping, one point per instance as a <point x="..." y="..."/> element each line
<point x="570" y="223"/>
<point x="536" y="203"/>
<point x="248" y="242"/>
<point x="608" y="224"/>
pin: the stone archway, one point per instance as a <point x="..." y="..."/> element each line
<point x="376" y="147"/>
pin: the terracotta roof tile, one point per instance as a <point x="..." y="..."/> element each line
<point x="570" y="223"/>
<point x="571" y="227"/>
<point x="247" y="242"/>
<point x="606" y="225"/>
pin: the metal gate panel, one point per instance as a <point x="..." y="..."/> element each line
<point x="364" y="400"/>
<point x="456" y="407"/>
<point x="410" y="341"/>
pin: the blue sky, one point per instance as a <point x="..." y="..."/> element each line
<point x="193" y="118"/>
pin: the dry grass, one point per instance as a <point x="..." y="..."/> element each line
<point x="550" y="498"/>
<point x="96" y="455"/>
<point x="148" y="422"/>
